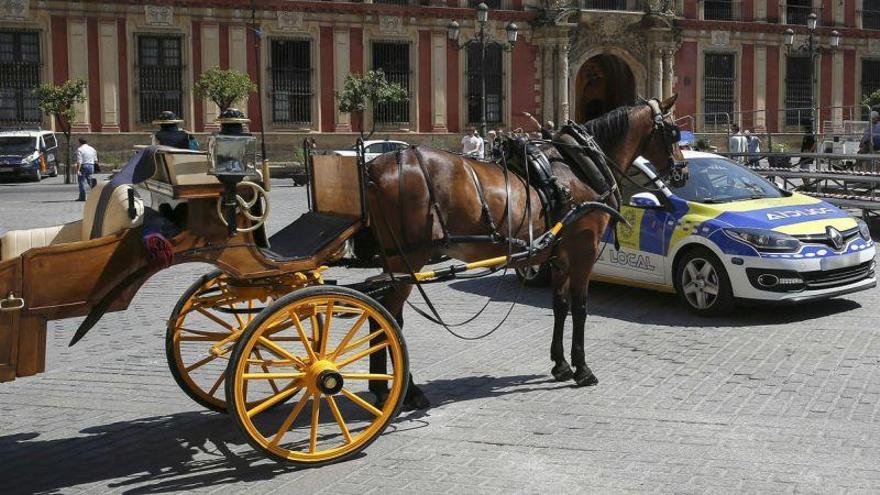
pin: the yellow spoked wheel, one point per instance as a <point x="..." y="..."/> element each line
<point x="204" y="326"/>
<point x="325" y="371"/>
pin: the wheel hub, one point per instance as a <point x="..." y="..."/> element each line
<point x="329" y="382"/>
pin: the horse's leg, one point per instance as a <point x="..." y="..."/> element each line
<point x="394" y="303"/>
<point x="583" y="375"/>
<point x="561" y="370"/>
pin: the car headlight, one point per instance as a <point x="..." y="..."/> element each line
<point x="765" y="240"/>
<point x="864" y="230"/>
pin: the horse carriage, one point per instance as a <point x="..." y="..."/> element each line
<point x="265" y="329"/>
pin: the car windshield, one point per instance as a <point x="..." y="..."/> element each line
<point x="719" y="180"/>
<point x="17" y="145"/>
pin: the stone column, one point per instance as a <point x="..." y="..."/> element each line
<point x="657" y="70"/>
<point x="109" y="70"/>
<point x="668" y="71"/>
<point x="548" y="112"/>
<point x="210" y="58"/>
<point x="760" y="84"/>
<point x="438" y="82"/>
<point x="78" y="57"/>
<point x="563" y="83"/>
<point x="341" y="68"/>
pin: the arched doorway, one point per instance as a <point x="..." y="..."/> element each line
<point x="604" y="82"/>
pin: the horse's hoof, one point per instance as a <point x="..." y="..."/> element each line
<point x="415" y="400"/>
<point x="584" y="377"/>
<point x="562" y="372"/>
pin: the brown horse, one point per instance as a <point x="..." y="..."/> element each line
<point x="412" y="207"/>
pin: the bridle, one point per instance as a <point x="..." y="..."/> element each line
<point x="670" y="134"/>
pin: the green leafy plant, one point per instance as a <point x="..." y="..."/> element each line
<point x="779" y="148"/>
<point x="362" y="91"/>
<point x="702" y="144"/>
<point x="60" y="102"/>
<point x="223" y="87"/>
<point x="873" y="99"/>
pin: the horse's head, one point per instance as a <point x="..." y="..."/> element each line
<point x="661" y="145"/>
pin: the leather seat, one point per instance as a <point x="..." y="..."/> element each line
<point x="116" y="219"/>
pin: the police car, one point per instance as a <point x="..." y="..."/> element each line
<point x="32" y="154"/>
<point x="730" y="236"/>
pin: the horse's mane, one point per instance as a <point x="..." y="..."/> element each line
<point x="611" y="128"/>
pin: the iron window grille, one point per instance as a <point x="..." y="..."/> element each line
<point x="722" y="10"/>
<point x="871" y="14"/>
<point x="798" y="90"/>
<point x="291" y="74"/>
<point x="160" y="76"/>
<point x="393" y="58"/>
<point x="393" y="2"/>
<point x="492" y="4"/>
<point x="493" y="68"/>
<point x="870" y="80"/>
<point x="624" y="5"/>
<point x="19" y="77"/>
<point x="797" y="12"/>
<point x="719" y="79"/>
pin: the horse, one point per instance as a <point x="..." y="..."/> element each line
<point x="418" y="196"/>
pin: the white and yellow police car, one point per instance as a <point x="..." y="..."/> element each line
<point x="729" y="236"/>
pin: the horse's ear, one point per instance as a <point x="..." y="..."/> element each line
<point x="666" y="105"/>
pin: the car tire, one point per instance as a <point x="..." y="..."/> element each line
<point x="38" y="176"/>
<point x="534" y="275"/>
<point x="698" y="274"/>
<point x="54" y="171"/>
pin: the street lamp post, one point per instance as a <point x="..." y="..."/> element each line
<point x="811" y="48"/>
<point x="484" y="39"/>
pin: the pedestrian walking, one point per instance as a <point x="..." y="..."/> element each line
<point x="472" y="144"/>
<point x="808" y="145"/>
<point x="86" y="160"/>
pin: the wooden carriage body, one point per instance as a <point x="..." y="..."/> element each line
<point x="60" y="272"/>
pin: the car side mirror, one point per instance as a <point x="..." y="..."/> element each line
<point x="644" y="200"/>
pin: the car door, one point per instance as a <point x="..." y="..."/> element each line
<point x="51" y="150"/>
<point x="641" y="257"/>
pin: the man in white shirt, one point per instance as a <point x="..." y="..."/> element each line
<point x="737" y="143"/>
<point x="472" y="144"/>
<point x="86" y="158"/>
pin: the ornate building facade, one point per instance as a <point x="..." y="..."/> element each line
<point x="574" y="59"/>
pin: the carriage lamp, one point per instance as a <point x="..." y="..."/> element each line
<point x="231" y="158"/>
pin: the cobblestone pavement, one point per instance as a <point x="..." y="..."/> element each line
<point x="769" y="400"/>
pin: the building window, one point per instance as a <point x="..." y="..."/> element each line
<point x="291" y="73"/>
<point x="627" y="5"/>
<point x="160" y="76"/>
<point x="797" y="11"/>
<point x="392" y="2"/>
<point x="798" y="91"/>
<point x="871" y="14"/>
<point x="494" y="93"/>
<point x="492" y="4"/>
<point x="393" y="59"/>
<point x="719" y="79"/>
<point x="870" y="80"/>
<point x="19" y="76"/>
<point x="721" y="10"/>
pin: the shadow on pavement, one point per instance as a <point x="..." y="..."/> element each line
<point x="655" y="308"/>
<point x="157" y="454"/>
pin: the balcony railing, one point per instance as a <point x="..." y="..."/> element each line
<point x="871" y="19"/>
<point x="621" y="5"/>
<point x="797" y="14"/>
<point x="722" y="10"/>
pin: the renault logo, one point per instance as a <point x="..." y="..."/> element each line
<point x="835" y="237"/>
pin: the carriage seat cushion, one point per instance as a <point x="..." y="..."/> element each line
<point x="116" y="217"/>
<point x="16" y="242"/>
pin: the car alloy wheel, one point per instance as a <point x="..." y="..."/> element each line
<point x="699" y="283"/>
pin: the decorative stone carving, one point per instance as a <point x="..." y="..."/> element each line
<point x="290" y="21"/>
<point x="390" y="24"/>
<point x="612" y="30"/>
<point x="159" y="15"/>
<point x="15" y="9"/>
<point x="720" y="38"/>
